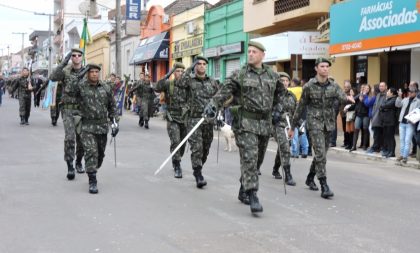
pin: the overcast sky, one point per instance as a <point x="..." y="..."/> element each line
<point x="21" y="19"/>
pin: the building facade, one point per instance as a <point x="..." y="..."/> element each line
<point x="98" y="52"/>
<point x="225" y="41"/>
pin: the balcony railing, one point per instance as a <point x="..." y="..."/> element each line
<point x="282" y="6"/>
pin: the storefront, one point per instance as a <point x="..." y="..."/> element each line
<point x="185" y="50"/>
<point x="381" y="42"/>
<point x="153" y="54"/>
<point x="293" y="52"/>
<point x="224" y="41"/>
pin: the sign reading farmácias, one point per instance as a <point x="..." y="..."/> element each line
<point x="372" y="24"/>
<point x="187" y="47"/>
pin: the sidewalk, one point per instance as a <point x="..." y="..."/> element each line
<point x="412" y="162"/>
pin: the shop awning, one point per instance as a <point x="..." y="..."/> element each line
<point x="152" y="48"/>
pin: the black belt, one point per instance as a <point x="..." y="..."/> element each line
<point x="255" y="116"/>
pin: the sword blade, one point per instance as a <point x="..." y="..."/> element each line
<point x="115" y="152"/>
<point x="180" y="145"/>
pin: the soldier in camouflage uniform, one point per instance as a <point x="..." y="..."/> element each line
<point x="201" y="88"/>
<point x="318" y="97"/>
<point x="24" y="88"/>
<point x="176" y="98"/>
<point x="68" y="76"/>
<point x="285" y="108"/>
<point x="97" y="105"/>
<point x="56" y="108"/>
<point x="255" y="89"/>
<point x="144" y="92"/>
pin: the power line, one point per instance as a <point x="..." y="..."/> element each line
<point x="10" y="7"/>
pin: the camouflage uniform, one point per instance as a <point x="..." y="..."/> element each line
<point x="69" y="78"/>
<point x="21" y="85"/>
<point x="56" y="108"/>
<point x="286" y="106"/>
<point x="319" y="99"/>
<point x="200" y="91"/>
<point x="97" y="105"/>
<point x="254" y="90"/>
<point x="176" y="98"/>
<point x="144" y="92"/>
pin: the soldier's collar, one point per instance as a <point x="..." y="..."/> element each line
<point x="328" y="81"/>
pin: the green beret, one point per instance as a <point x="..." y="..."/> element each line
<point x="321" y="60"/>
<point x="199" y="57"/>
<point x="179" y="65"/>
<point x="77" y="50"/>
<point x="284" y="74"/>
<point x="257" y="45"/>
<point x="93" y="66"/>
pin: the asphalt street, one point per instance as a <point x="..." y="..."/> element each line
<point x="375" y="207"/>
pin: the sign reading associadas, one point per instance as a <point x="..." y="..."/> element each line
<point x="371" y="24"/>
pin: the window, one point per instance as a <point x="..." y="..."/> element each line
<point x="216" y="66"/>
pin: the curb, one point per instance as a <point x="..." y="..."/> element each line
<point x="411" y="163"/>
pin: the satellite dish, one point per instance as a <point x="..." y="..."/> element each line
<point x="88" y="8"/>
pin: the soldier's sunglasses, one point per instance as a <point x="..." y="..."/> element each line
<point x="76" y="55"/>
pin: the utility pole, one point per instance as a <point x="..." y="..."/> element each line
<point x="8" y="61"/>
<point x="49" y="40"/>
<point x="118" y="39"/>
<point x="23" y="47"/>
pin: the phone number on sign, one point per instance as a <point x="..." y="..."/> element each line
<point x="351" y="46"/>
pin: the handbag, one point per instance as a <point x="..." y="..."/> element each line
<point x="350" y="116"/>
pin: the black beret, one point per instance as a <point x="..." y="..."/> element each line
<point x="93" y="66"/>
<point x="199" y="57"/>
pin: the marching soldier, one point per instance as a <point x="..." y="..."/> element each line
<point x="97" y="105"/>
<point x="285" y="108"/>
<point x="24" y="87"/>
<point x="254" y="88"/>
<point x="201" y="89"/>
<point x="68" y="76"/>
<point x="144" y="91"/>
<point x="176" y="98"/>
<point x="318" y="97"/>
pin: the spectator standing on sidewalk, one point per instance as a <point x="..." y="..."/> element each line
<point x="414" y="85"/>
<point x="347" y="142"/>
<point x="362" y="118"/>
<point x="376" y="120"/>
<point x="407" y="129"/>
<point x="2" y="84"/>
<point x="388" y="112"/>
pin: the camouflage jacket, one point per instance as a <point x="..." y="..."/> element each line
<point x="176" y="98"/>
<point x="21" y="84"/>
<point x="255" y="91"/>
<point x="319" y="101"/>
<point x="144" y="91"/>
<point x="199" y="92"/>
<point x="69" y="78"/>
<point x="97" y="105"/>
<point x="286" y="105"/>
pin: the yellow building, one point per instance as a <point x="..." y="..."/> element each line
<point x="98" y="52"/>
<point x="186" y="39"/>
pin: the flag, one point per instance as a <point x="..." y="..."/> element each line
<point x="85" y="38"/>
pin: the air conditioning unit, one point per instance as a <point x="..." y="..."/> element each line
<point x="191" y="28"/>
<point x="165" y="19"/>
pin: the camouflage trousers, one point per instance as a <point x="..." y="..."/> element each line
<point x="94" y="146"/>
<point x="24" y="106"/>
<point x="145" y="109"/>
<point x="55" y="111"/>
<point x="282" y="157"/>
<point x="252" y="148"/>
<point x="320" y="143"/>
<point x="200" y="142"/>
<point x="72" y="141"/>
<point x="176" y="132"/>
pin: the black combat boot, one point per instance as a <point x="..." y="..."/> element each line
<point x="177" y="169"/>
<point x="243" y="196"/>
<point x="22" y="120"/>
<point x="355" y="137"/>
<point x="79" y="166"/>
<point x="141" y="122"/>
<point x="310" y="182"/>
<point x="54" y="121"/>
<point x="146" y="124"/>
<point x="288" y="176"/>
<point x="254" y="203"/>
<point x="276" y="174"/>
<point x="26" y="120"/>
<point x="325" y="189"/>
<point x="199" y="179"/>
<point x="93" y="188"/>
<point x="70" y="170"/>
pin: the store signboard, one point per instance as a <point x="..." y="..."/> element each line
<point x="371" y="24"/>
